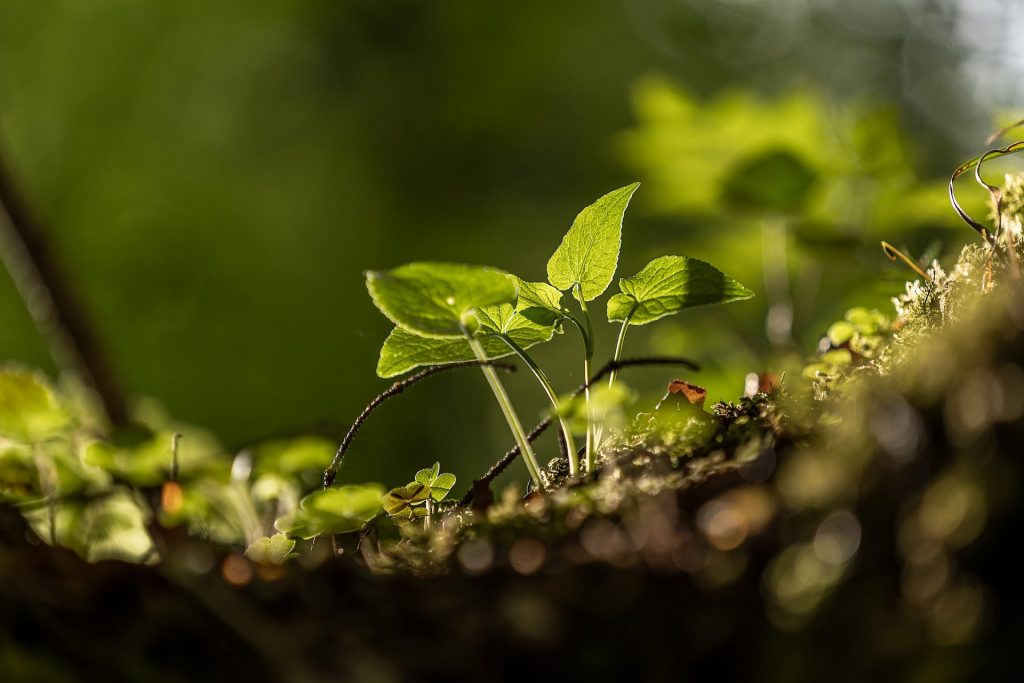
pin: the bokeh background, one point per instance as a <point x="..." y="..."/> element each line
<point x="216" y="176"/>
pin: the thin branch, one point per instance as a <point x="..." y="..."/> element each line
<point x="51" y="300"/>
<point x="394" y="390"/>
<point x="507" y="459"/>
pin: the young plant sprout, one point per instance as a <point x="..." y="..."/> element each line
<point x="437" y="301"/>
<point x="584" y="263"/>
<point x="448" y="313"/>
<point x="418" y="498"/>
<point x="663" y="287"/>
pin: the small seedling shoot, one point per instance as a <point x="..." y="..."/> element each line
<point x="448" y="313"/>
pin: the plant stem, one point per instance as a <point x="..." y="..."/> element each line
<point x="619" y="343"/>
<point x="589" y="457"/>
<point x="618" y="347"/>
<point x="574" y="463"/>
<point x="538" y="429"/>
<point x="529" y="457"/>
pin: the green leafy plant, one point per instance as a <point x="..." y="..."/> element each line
<point x="447" y="313"/>
<point x="418" y="497"/>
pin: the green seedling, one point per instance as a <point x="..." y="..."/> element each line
<point x="439" y="301"/>
<point x="447" y="313"/>
<point x="417" y="499"/>
<point x="584" y="263"/>
<point x="663" y="287"/>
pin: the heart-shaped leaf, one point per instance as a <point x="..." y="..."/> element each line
<point x="589" y="252"/>
<point x="434" y="299"/>
<point x="669" y="284"/>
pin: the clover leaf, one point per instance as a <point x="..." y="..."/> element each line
<point x="333" y="511"/>
<point x="404" y="503"/>
<point x="438" y="483"/>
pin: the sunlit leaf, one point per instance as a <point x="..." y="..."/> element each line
<point x="669" y="284"/>
<point x="428" y="475"/>
<point x="433" y="299"/>
<point x="403" y="351"/>
<point x="540" y="303"/>
<point x="438" y="483"/>
<point x="589" y="252"/>
<point x="398" y="499"/>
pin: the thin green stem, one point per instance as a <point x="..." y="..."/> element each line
<point x="589" y="458"/>
<point x="619" y="343"/>
<point x="529" y="457"/>
<point x="618" y="347"/>
<point x="588" y="343"/>
<point x="574" y="463"/>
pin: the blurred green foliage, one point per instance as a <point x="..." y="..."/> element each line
<point x="788" y="192"/>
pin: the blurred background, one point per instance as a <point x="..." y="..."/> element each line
<point x="216" y="176"/>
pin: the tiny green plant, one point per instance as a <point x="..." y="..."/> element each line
<point x="448" y="313"/>
<point x="418" y="498"/>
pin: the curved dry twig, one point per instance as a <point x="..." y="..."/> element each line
<point x="982" y="230"/>
<point x="895" y="254"/>
<point x="996" y="193"/>
<point x="395" y="389"/>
